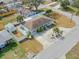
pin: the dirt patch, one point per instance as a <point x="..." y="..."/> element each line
<point x="62" y="21"/>
<point x="32" y="46"/>
<point x="10" y="19"/>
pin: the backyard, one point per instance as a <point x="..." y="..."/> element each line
<point x="11" y="18"/>
<point x="32" y="46"/>
<point x="74" y="53"/>
<point x="61" y="20"/>
<point x="17" y="33"/>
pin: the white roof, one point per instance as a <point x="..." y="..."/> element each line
<point x="4" y="35"/>
<point x="10" y="27"/>
<point x="23" y="29"/>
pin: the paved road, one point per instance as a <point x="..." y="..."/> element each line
<point x="62" y="46"/>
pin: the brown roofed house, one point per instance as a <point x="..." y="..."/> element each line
<point x="33" y="24"/>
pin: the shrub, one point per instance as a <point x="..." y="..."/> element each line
<point x="28" y="35"/>
<point x="49" y="11"/>
<point x="40" y="29"/>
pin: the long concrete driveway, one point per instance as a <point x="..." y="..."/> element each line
<point x="61" y="47"/>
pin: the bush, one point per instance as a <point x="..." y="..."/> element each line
<point x="64" y="3"/>
<point x="14" y="32"/>
<point x="40" y="29"/>
<point x="28" y="35"/>
<point x="49" y="11"/>
<point x="1" y="17"/>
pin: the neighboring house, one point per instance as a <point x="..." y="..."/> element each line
<point x="4" y="36"/>
<point x="35" y="23"/>
<point x="23" y="29"/>
<point x="10" y="27"/>
<point x="16" y="32"/>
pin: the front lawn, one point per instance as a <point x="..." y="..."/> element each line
<point x="12" y="51"/>
<point x="9" y="46"/>
<point x="17" y="53"/>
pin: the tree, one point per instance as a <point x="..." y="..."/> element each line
<point x="20" y="19"/>
<point x="56" y="30"/>
<point x="64" y="3"/>
<point x="34" y="3"/>
<point x="49" y="11"/>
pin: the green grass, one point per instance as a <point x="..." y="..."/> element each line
<point x="16" y="53"/>
<point x="67" y="9"/>
<point x="69" y="55"/>
<point x="71" y="9"/>
<point x="10" y="46"/>
<point x="73" y="53"/>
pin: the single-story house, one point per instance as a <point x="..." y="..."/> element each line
<point x="15" y="32"/>
<point x="4" y="36"/>
<point x="35" y="23"/>
<point x="23" y="29"/>
<point x="10" y="27"/>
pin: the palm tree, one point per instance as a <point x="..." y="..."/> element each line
<point x="71" y="16"/>
<point x="56" y="30"/>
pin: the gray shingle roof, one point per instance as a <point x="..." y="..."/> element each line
<point x="4" y="35"/>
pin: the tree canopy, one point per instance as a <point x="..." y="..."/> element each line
<point x="34" y="3"/>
